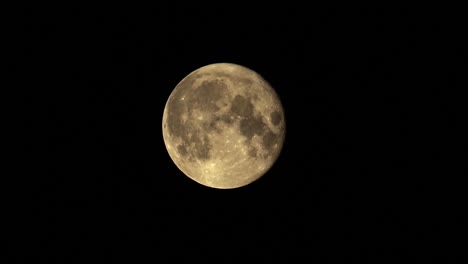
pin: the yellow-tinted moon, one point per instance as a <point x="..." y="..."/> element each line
<point x="223" y="126"/>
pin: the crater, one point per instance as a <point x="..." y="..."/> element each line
<point x="182" y="150"/>
<point x="275" y="117"/>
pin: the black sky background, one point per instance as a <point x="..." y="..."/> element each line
<point x="372" y="161"/>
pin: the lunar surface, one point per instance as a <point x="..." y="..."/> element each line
<point x="223" y="126"/>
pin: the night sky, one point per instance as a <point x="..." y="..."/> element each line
<point x="371" y="167"/>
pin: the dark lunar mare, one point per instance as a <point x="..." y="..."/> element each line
<point x="175" y="109"/>
<point x="202" y="98"/>
<point x="238" y="80"/>
<point x="275" y="118"/>
<point x="205" y="96"/>
<point x="252" y="152"/>
<point x="251" y="125"/>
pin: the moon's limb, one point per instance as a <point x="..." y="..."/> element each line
<point x="223" y="126"/>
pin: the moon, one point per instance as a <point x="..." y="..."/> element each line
<point x="223" y="126"/>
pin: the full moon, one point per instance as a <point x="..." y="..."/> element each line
<point x="223" y="126"/>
